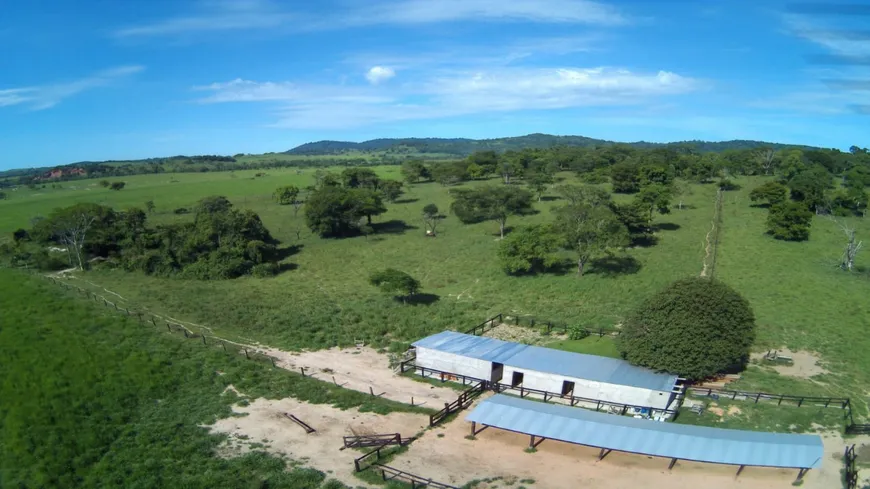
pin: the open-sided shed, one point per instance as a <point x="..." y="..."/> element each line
<point x="669" y="440"/>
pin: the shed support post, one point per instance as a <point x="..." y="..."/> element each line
<point x="801" y="474"/>
<point x="473" y="428"/>
<point x="531" y="441"/>
<point x="673" y="462"/>
<point x="739" y="471"/>
<point x="604" y="453"/>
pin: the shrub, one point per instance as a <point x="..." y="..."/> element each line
<point x="117" y="185"/>
<point x="181" y="210"/>
<point x="727" y="185"/>
<point x="265" y="270"/>
<point x="789" y="221"/>
<point x="695" y="328"/>
<point x="577" y="332"/>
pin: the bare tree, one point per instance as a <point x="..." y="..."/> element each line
<point x="72" y="230"/>
<point x="767" y="159"/>
<point x="853" y="246"/>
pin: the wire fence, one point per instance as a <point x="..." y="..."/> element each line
<point x="547" y="326"/>
<point x="146" y="318"/>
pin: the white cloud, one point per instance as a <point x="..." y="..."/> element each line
<point x="47" y="96"/>
<point x="226" y="15"/>
<point x="238" y="15"/>
<point x="499" y="90"/>
<point x="378" y="74"/>
<point x="428" y="11"/>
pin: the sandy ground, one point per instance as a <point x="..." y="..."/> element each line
<point x="453" y="459"/>
<point x="805" y="363"/>
<point x="362" y="368"/>
<point x="263" y="422"/>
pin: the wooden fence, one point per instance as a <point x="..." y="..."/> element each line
<point x="851" y="472"/>
<point x="461" y="402"/>
<point x="573" y="400"/>
<point x="365" y="441"/>
<point x="837" y="402"/>
<point x="485" y="326"/>
<point x="389" y="473"/>
<point x="563" y="328"/>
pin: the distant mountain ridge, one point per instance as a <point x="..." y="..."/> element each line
<point x="464" y="146"/>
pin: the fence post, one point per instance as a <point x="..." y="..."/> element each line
<point x="203" y="339"/>
<point x="757" y="397"/>
<point x="168" y="327"/>
<point x="246" y="353"/>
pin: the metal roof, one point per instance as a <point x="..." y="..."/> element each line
<point x="621" y="433"/>
<point x="548" y="360"/>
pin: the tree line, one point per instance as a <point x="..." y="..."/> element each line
<point x="221" y="242"/>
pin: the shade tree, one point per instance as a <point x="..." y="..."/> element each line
<point x="695" y="328"/>
<point x="530" y="249"/>
<point x="491" y="203"/>
<point x="395" y="283"/>
<point x="286" y="195"/>
<point x="590" y="232"/>
<point x="771" y="193"/>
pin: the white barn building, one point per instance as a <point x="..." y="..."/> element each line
<point x="556" y="371"/>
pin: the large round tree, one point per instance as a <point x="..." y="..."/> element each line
<point x="695" y="328"/>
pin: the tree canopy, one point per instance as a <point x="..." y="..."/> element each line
<point x="491" y="203"/>
<point x="590" y="231"/>
<point x="395" y="282"/>
<point x="694" y="328"/>
<point x="771" y="193"/>
<point x="286" y="195"/>
<point x="789" y="221"/>
<point x="530" y="249"/>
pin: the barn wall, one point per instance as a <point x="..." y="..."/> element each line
<point x="452" y="363"/>
<point x="590" y="389"/>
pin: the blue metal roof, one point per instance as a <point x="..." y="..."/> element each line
<point x="621" y="433"/>
<point x="548" y="360"/>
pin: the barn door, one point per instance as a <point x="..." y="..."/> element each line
<point x="497" y="372"/>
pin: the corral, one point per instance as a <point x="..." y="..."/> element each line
<point x="545" y="369"/>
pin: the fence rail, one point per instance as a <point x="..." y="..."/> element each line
<point x="851" y="476"/>
<point x="485" y="326"/>
<point x="839" y="402"/>
<point x="364" y="441"/>
<point x="461" y="402"/>
<point x="575" y="400"/>
<point x="415" y="480"/>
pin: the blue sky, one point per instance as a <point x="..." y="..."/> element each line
<point x="94" y="79"/>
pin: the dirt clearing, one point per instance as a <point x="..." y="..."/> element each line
<point x="455" y="460"/>
<point x="266" y="425"/>
<point x="805" y="364"/>
<point x="360" y="369"/>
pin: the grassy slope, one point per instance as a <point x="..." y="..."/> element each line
<point x="800" y="299"/>
<point x="89" y="399"/>
<point x="328" y="300"/>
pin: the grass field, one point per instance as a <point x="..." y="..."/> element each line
<point x="591" y="345"/>
<point x="800" y="299"/>
<point x="91" y="399"/>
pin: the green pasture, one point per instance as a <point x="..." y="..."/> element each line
<point x="801" y="300"/>
<point x="93" y="399"/>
